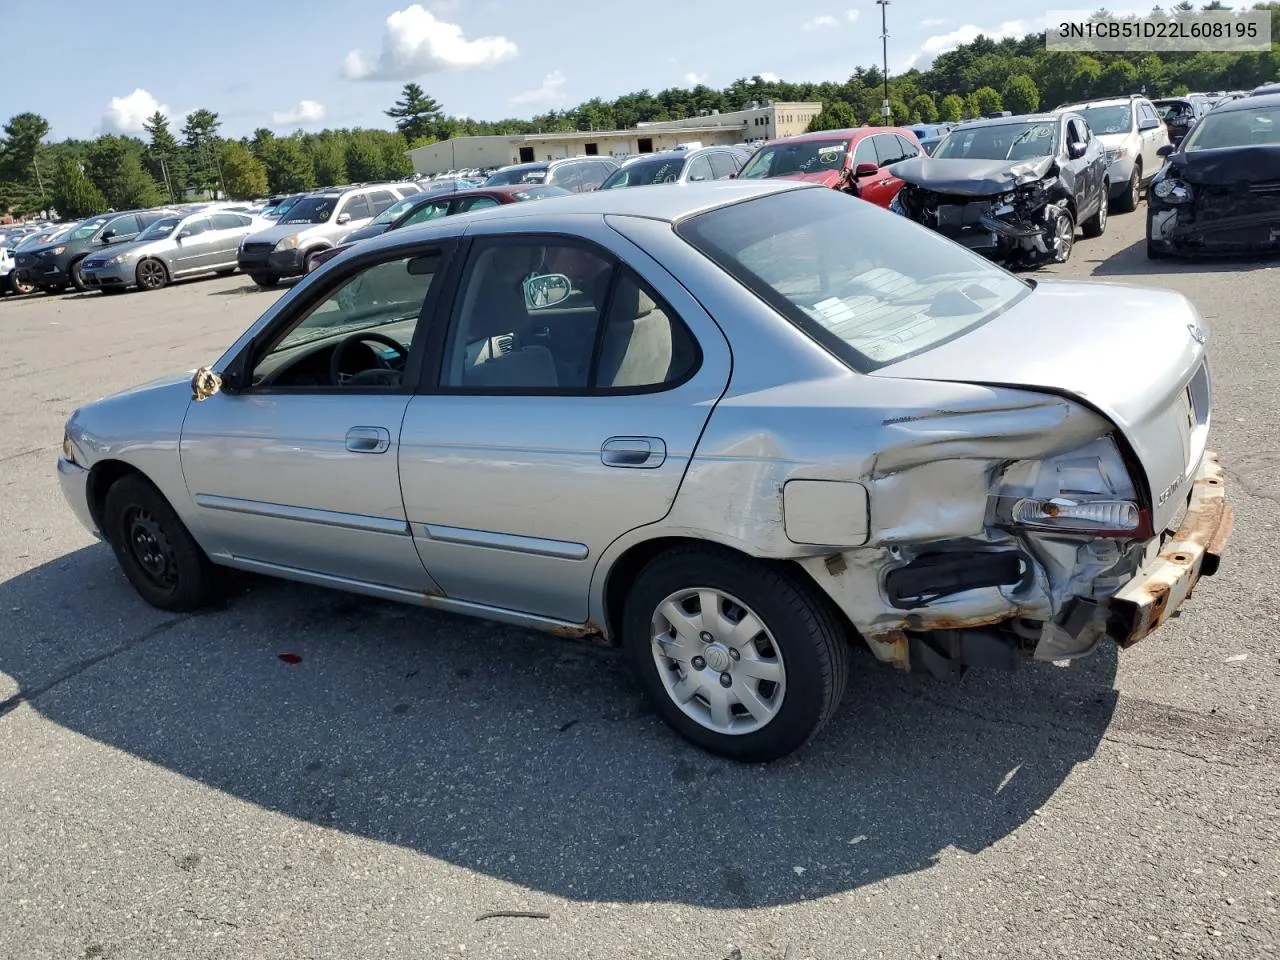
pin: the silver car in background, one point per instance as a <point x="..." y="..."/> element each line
<point x="731" y="427"/>
<point x="678" y="166"/>
<point x="203" y="241"/>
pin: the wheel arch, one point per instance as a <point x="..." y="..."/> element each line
<point x="103" y="475"/>
<point x="168" y="273"/>
<point x="624" y="569"/>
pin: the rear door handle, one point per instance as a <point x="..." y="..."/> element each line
<point x="644" y="453"/>
<point x="368" y="440"/>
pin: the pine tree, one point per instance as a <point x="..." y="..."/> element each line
<point x="416" y="115"/>
<point x="200" y="136"/>
<point x="164" y="157"/>
<point x="73" y="194"/>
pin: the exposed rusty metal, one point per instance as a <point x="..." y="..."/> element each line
<point x="574" y="631"/>
<point x="1193" y="551"/>
<point x="891" y="647"/>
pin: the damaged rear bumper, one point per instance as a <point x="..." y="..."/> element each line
<point x="1192" y="552"/>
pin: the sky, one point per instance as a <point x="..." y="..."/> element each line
<point x="340" y="63"/>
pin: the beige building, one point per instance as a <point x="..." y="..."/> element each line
<point x="760" y="121"/>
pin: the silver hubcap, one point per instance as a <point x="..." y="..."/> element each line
<point x="718" y="661"/>
<point x="1064" y="235"/>
<point x="1102" y="210"/>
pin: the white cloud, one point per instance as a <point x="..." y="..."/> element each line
<point x="932" y="22"/>
<point x="551" y="92"/>
<point x="943" y="43"/>
<point x="823" y="22"/>
<point x="306" y="112"/>
<point x="415" y="42"/>
<point x="851" y="16"/>
<point x="693" y="79"/>
<point x="128" y="114"/>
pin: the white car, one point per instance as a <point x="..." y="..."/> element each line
<point x="1132" y="132"/>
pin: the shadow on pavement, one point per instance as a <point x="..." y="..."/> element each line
<point x="249" y="288"/>
<point x="1133" y="261"/>
<point x="531" y="759"/>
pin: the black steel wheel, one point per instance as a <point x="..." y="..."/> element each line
<point x="159" y="556"/>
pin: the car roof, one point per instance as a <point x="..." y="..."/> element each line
<point x="1250" y="103"/>
<point x="1102" y="102"/>
<point x="846" y="134"/>
<point x="671" y="203"/>
<point x="1017" y="118"/>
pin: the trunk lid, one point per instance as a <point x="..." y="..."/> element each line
<point x="1133" y="354"/>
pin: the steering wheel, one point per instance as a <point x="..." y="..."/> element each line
<point x="367" y="336"/>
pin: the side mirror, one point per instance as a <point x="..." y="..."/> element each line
<point x="106" y="236"/>
<point x="204" y="384"/>
<point x="1165" y="150"/>
<point x="1077" y="149"/>
<point x="866" y="169"/>
<point x="182" y="236"/>
<point x="547" y="290"/>
<point x="344" y="218"/>
<point x="733" y="176"/>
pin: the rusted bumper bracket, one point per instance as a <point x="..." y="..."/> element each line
<point x="1194" y="551"/>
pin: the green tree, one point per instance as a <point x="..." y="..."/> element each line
<point x="922" y="106"/>
<point x="23" y="136"/>
<point x="289" y="167"/>
<point x="1020" y="94"/>
<point x="114" y="164"/>
<point x="416" y="114"/>
<point x="395" y="158"/>
<point x="986" y="100"/>
<point x="835" y="115"/>
<point x="952" y="109"/>
<point x="1118" y="79"/>
<point x="364" y="159"/>
<point x="329" y="158"/>
<point x="244" y="174"/>
<point x="73" y="194"/>
<point x="164" y="157"/>
<point x="200" y="138"/>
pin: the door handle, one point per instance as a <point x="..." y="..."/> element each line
<point x="644" y="453"/>
<point x="368" y="440"/>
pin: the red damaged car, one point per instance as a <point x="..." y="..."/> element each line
<point x="851" y="160"/>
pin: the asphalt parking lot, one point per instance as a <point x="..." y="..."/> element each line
<point x="170" y="787"/>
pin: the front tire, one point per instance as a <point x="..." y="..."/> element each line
<point x="1096" y="225"/>
<point x="264" y="280"/>
<point x="76" y="273"/>
<point x="1129" y="201"/>
<point x="20" y="288"/>
<point x="151" y="274"/>
<point x="1064" y="233"/>
<point x="159" y="556"/>
<point x="749" y="679"/>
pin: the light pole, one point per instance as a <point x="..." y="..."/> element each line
<point x="884" y="42"/>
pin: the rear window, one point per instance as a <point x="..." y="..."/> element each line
<point x="871" y="286"/>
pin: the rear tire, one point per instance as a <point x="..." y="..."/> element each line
<point x="159" y="556"/>
<point x="264" y="280"/>
<point x="796" y="636"/>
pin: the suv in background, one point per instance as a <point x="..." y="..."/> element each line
<point x="1132" y="133"/>
<point x="575" y="174"/>
<point x="51" y="266"/>
<point x="678" y="166"/>
<point x="315" y="223"/>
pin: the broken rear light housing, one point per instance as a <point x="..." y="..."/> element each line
<point x="1090" y="491"/>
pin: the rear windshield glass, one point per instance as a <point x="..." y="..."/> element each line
<point x="871" y="286"/>
<point x="640" y="173"/>
<point x="505" y="178"/>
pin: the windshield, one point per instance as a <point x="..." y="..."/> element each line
<point x="641" y="173"/>
<point x="393" y="211"/>
<point x="1259" y="127"/>
<point x="160" y="229"/>
<point x="541" y="193"/>
<point x="45" y="236"/>
<point x="1004" y="141"/>
<point x="505" y="178"/>
<point x="1104" y="120"/>
<point x="872" y="287"/>
<point x="310" y="210"/>
<point x="807" y="156"/>
<point x="87" y="229"/>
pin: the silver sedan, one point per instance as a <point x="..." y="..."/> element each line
<point x="729" y="427"/>
<point x="202" y="241"/>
